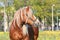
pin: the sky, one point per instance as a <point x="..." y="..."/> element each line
<point x="1" y="4"/>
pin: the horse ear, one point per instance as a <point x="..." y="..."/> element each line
<point x="27" y="8"/>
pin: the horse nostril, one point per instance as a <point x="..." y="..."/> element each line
<point x="38" y="23"/>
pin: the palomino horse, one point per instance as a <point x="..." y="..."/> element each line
<point x="24" y="25"/>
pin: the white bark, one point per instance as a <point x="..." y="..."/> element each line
<point x="5" y="17"/>
<point x="5" y="21"/>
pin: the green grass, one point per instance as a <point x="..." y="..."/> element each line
<point x="46" y="35"/>
<point x="49" y="35"/>
<point x="4" y="36"/>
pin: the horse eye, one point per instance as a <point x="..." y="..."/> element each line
<point x="26" y="15"/>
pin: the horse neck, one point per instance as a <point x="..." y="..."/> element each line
<point x="15" y="24"/>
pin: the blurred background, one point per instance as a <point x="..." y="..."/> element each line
<point x="47" y="11"/>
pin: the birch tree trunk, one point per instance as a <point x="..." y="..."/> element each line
<point x="5" y="17"/>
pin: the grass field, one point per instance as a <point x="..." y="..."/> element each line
<point x="43" y="35"/>
<point x="4" y="36"/>
<point x="49" y="35"/>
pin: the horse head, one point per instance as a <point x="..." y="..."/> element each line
<point x="30" y="18"/>
<point x="25" y="15"/>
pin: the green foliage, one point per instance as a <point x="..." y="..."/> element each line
<point x="18" y="4"/>
<point x="1" y="14"/>
<point x="1" y="17"/>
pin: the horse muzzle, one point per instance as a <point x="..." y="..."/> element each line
<point x="37" y="23"/>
